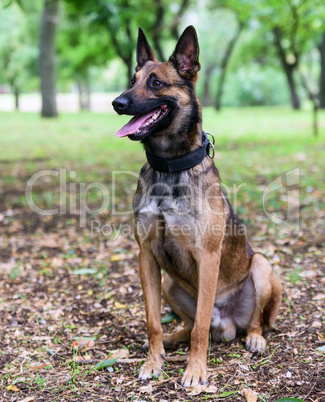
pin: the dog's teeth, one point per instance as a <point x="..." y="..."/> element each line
<point x="152" y="119"/>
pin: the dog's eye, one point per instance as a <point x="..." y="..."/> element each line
<point x="132" y="81"/>
<point x="156" y="84"/>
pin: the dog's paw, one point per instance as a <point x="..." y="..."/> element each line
<point x="255" y="343"/>
<point x="152" y="368"/>
<point x="195" y="374"/>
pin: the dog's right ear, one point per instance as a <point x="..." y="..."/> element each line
<point x="144" y="51"/>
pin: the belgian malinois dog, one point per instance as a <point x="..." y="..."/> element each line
<point x="184" y="223"/>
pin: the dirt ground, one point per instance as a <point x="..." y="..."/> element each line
<point x="58" y="283"/>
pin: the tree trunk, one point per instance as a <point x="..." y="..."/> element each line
<point x="47" y="58"/>
<point x="173" y="27"/>
<point x="125" y="53"/>
<point x="16" y="93"/>
<point x="322" y="74"/>
<point x="157" y="29"/>
<point x="84" y="95"/>
<point x="224" y="65"/>
<point x="289" y="69"/>
<point x="315" y="103"/>
<point x="206" y="97"/>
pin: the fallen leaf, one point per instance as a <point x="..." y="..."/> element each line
<point x="56" y="313"/>
<point x="12" y="388"/>
<point x="28" y="399"/>
<point x="40" y="366"/>
<point x="120" y="380"/>
<point x="321" y="349"/>
<point x="250" y="395"/>
<point x="19" y="379"/>
<point x="81" y="359"/>
<point x="198" y="389"/>
<point x="275" y="259"/>
<point x="119" y="305"/>
<point x="119" y="354"/>
<point x="104" y="364"/>
<point x="321" y="337"/>
<point x="56" y="262"/>
<point x="50" y="241"/>
<point x="83" y="344"/>
<point x="316" y="324"/>
<point x="319" y="296"/>
<point x="146" y="388"/>
<point x="115" y="257"/>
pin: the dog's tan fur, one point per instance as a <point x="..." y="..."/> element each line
<point x="213" y="280"/>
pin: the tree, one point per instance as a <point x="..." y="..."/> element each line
<point x="225" y="62"/>
<point x="295" y="24"/>
<point x="292" y="23"/>
<point x="47" y="66"/>
<point x="216" y="50"/>
<point x="289" y="61"/>
<point x="121" y="19"/>
<point x="81" y="46"/>
<point x="18" y="52"/>
<point x="321" y="48"/>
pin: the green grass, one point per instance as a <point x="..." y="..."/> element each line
<point x="90" y="137"/>
<point x="253" y="146"/>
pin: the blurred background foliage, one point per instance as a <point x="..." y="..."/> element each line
<point x="265" y="52"/>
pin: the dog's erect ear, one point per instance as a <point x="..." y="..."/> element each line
<point x="144" y="51"/>
<point x="186" y="54"/>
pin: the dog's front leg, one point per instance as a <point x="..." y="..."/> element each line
<point x="151" y="285"/>
<point x="208" y="271"/>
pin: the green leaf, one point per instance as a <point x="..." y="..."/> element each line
<point x="227" y="393"/>
<point x="105" y="363"/>
<point x="169" y="318"/>
<point x="83" y="271"/>
<point x="289" y="400"/>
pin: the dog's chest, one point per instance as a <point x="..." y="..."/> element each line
<point x="166" y="226"/>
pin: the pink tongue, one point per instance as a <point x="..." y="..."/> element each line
<point x="134" y="124"/>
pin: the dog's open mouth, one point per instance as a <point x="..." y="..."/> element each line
<point x="140" y="125"/>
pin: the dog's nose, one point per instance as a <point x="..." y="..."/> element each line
<point x="120" y="104"/>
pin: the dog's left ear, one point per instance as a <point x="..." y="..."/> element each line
<point x="186" y="54"/>
<point x="144" y="51"/>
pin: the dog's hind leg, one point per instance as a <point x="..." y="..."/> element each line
<point x="268" y="291"/>
<point x="183" y="305"/>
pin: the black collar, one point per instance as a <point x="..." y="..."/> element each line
<point x="184" y="162"/>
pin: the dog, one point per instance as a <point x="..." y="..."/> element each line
<point x="184" y="223"/>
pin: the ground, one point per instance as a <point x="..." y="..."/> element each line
<point x="73" y="275"/>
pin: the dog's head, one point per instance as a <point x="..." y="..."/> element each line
<point x="162" y="95"/>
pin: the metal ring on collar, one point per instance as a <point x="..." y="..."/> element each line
<point x="211" y="148"/>
<point x="212" y="136"/>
